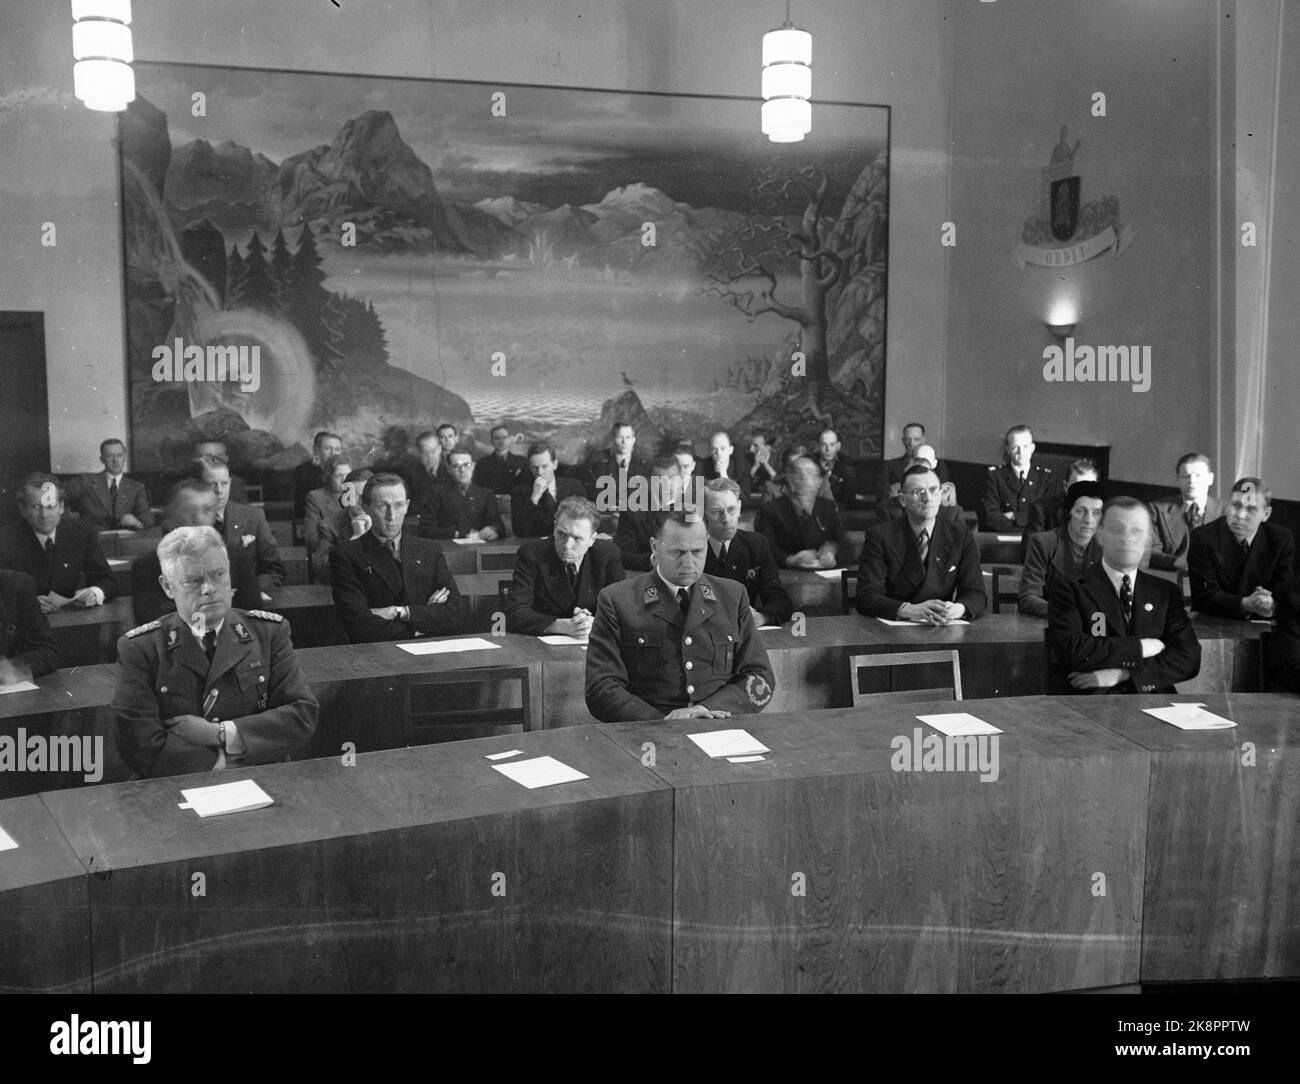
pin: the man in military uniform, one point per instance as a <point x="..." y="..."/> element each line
<point x="209" y="686"/>
<point x="675" y="643"/>
<point x="1010" y="489"/>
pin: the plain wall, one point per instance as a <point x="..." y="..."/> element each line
<point x="60" y="163"/>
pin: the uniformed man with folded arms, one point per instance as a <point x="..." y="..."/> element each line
<point x="210" y="686"/>
<point x="675" y="643"/>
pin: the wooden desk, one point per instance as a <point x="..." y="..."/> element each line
<point x="89" y="636"/>
<point x="129" y="543"/>
<point x="313" y="621"/>
<point x="363" y="688"/>
<point x="380" y="877"/>
<point x="483" y="600"/>
<point x="73" y="703"/>
<point x="914" y="881"/>
<point x="813" y="595"/>
<point x="44" y="904"/>
<point x="1222" y="896"/>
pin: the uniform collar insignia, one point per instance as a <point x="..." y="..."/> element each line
<point x="706" y="591"/>
<point x="241" y="630"/>
<point x="651" y="595"/>
<point x="173" y="639"/>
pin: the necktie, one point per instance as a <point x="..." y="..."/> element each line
<point x="684" y="600"/>
<point x="112" y="494"/>
<point x="210" y="644"/>
<point x="49" y="551"/>
<point x="1193" y="517"/>
<point x="1126" y="600"/>
<point x="395" y="551"/>
<point x="1245" y="548"/>
<point x="572" y="572"/>
<point x="220" y="526"/>
<point x="722" y="555"/>
<point x="923" y="544"/>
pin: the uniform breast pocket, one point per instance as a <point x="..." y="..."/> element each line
<point x="642" y="651"/>
<point x="724" y="651"/>
<point x="253" y="693"/>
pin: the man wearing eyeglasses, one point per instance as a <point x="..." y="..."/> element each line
<point x="921" y="567"/>
<point x="390" y="584"/>
<point x="209" y="686"/>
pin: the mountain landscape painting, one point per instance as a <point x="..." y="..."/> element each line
<point x="398" y="253"/>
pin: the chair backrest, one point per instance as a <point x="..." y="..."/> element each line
<point x="905" y="658"/>
<point x="431" y="715"/>
<point x="848" y="589"/>
<point x="1004" y="587"/>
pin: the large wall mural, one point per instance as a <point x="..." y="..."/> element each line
<point x="369" y="255"/>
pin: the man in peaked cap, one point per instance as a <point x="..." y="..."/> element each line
<point x="209" y="686"/>
<point x="675" y="643"/>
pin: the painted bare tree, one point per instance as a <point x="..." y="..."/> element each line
<point x="837" y="310"/>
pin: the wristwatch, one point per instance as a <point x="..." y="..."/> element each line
<point x="221" y="736"/>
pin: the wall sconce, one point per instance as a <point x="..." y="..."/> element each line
<point x="787" y="82"/>
<point x="101" y="44"/>
<point x="1061" y="321"/>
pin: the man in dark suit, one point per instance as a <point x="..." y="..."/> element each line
<point x="636" y="526"/>
<point x="390" y="584"/>
<point x="310" y="474"/>
<point x="803" y="529"/>
<point x="462" y="509"/>
<point x="533" y="504"/>
<point x="723" y="461"/>
<point x="891" y="470"/>
<point x="1011" y="488"/>
<point x="27" y="647"/>
<point x="63" y="558"/>
<point x="743" y="556"/>
<point x="1284" y="641"/>
<point x="109" y="500"/>
<point x="216" y="449"/>
<point x="1066" y="551"/>
<point x="619" y="462"/>
<point x="501" y="470"/>
<point x="760" y="464"/>
<point x="841" y="479"/>
<point x="556" y="580"/>
<point x="1236" y="562"/>
<point x="243" y="525"/>
<point x="921" y="567"/>
<point x="1048" y="513"/>
<point x="1114" y="629"/>
<point x="1178" y="515"/>
<point x="192" y="504"/>
<point x="923" y="456"/>
<point x="209" y="686"/>
<point x="676" y="643"/>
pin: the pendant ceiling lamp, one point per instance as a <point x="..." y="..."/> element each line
<point x="787" y="82"/>
<point x="101" y="44"/>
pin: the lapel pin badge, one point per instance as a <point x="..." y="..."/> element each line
<point x="1148" y="607"/>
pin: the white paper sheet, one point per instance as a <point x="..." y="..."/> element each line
<point x="768" y="628"/>
<point x="225" y="798"/>
<point x="744" y="760"/>
<point x="829" y="573"/>
<point x="539" y="772"/>
<point x="119" y="563"/>
<point x="729" y="743"/>
<point x="469" y="541"/>
<point x="439" y="647"/>
<point x="564" y="641"/>
<point x="958" y="724"/>
<point x="913" y="624"/>
<point x="1008" y="538"/>
<point x="502" y="756"/>
<point x="7" y="842"/>
<point x="19" y="687"/>
<point x="1190" y="717"/>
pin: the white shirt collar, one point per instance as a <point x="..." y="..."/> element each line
<point x="41" y="538"/>
<point x="109" y="476"/>
<point x="215" y="628"/>
<point x="1116" y="576"/>
<point x="673" y="588"/>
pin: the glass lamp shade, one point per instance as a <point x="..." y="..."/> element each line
<point x="105" y="85"/>
<point x="787" y="81"/>
<point x="789" y="44"/>
<point x="97" y="38"/>
<point x="786" y="120"/>
<point x="117" y="10"/>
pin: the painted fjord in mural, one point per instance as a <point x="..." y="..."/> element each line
<point x="360" y="254"/>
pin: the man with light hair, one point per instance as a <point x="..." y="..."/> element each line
<point x="209" y="686"/>
<point x="803" y="528"/>
<point x="743" y="556"/>
<point x="1011" y="487"/>
<point x="556" y="580"/>
<point x="1236" y="562"/>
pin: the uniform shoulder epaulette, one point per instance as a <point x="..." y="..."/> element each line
<point x="265" y="615"/>
<point x="140" y="629"/>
